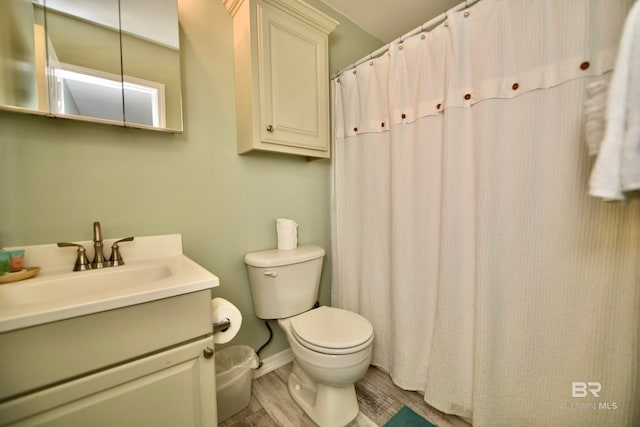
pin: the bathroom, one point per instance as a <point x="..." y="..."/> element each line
<point x="140" y="183"/>
<point x="61" y="175"/>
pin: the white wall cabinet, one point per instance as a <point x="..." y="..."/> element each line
<point x="144" y="365"/>
<point x="282" y="76"/>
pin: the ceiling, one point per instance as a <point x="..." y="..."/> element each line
<point x="389" y="19"/>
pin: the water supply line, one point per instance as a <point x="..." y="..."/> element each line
<point x="266" y="323"/>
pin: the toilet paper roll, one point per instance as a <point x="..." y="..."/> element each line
<point x="287" y="230"/>
<point x="222" y="309"/>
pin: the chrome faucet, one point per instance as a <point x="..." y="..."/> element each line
<point x="99" y="261"/>
<point x="98" y="257"/>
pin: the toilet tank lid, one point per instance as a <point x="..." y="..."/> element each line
<point x="280" y="257"/>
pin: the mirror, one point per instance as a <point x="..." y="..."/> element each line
<point x="83" y="59"/>
<point x="111" y="61"/>
<point x="152" y="95"/>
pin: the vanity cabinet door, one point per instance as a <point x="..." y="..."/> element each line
<point x="172" y="388"/>
<point x="292" y="63"/>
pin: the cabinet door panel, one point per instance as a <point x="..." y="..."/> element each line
<point x="54" y="352"/>
<point x="173" y="388"/>
<point x="294" y="88"/>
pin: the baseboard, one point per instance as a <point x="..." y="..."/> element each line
<point x="273" y="362"/>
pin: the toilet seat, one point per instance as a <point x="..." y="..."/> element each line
<point x="332" y="330"/>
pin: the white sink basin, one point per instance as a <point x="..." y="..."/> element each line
<point x="63" y="287"/>
<point x="155" y="268"/>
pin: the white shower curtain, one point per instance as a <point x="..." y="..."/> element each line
<point x="462" y="228"/>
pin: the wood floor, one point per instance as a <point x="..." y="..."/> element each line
<point x="378" y="397"/>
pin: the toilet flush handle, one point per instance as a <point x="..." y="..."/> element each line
<point x="271" y="273"/>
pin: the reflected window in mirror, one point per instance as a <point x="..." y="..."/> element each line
<point x="78" y="89"/>
<point x="85" y="92"/>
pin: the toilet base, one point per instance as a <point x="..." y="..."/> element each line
<point x="327" y="406"/>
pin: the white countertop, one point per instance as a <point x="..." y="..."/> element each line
<point x="155" y="268"/>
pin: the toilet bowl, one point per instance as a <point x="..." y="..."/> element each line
<point x="327" y="363"/>
<point x="331" y="346"/>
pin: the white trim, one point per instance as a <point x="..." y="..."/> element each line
<point x="274" y="362"/>
<point x="297" y="8"/>
<point x="90" y="72"/>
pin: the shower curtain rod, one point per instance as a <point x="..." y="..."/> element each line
<point x="427" y="25"/>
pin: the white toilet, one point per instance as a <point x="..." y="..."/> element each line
<point x="331" y="346"/>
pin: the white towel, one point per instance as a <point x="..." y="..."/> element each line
<point x="622" y="135"/>
<point x="630" y="168"/>
<point x="595" y="107"/>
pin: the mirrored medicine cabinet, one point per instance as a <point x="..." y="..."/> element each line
<point x="107" y="61"/>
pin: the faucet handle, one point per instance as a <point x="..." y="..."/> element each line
<point x="82" y="263"/>
<point x="116" y="259"/>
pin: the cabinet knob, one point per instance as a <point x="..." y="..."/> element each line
<point x="269" y="128"/>
<point x="207" y="352"/>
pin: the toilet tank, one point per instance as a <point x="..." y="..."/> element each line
<point x="284" y="282"/>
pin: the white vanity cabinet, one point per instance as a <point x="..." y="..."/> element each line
<point x="148" y="364"/>
<point x="282" y="76"/>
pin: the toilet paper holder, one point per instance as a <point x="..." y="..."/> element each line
<point x="222" y="325"/>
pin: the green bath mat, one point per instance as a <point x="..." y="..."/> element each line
<point x="405" y="417"/>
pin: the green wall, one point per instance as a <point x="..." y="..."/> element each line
<point x="58" y="176"/>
